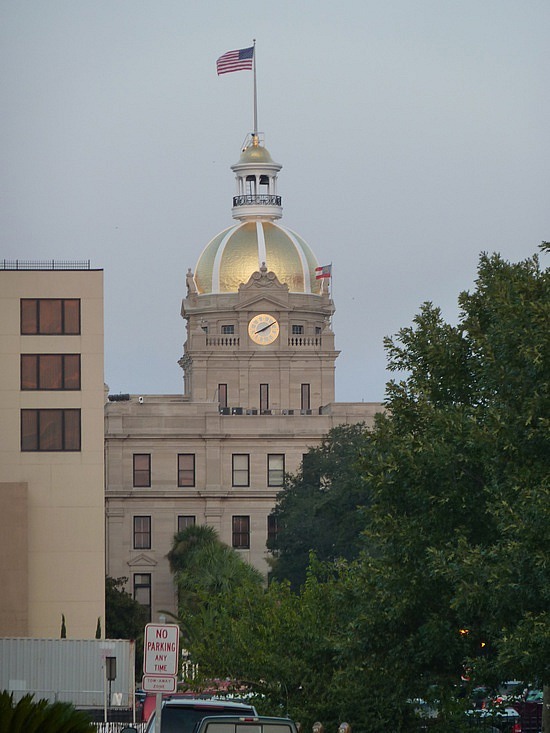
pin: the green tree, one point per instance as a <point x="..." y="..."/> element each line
<point x="125" y="618"/>
<point x="28" y="716"/>
<point x="205" y="567"/>
<point x="317" y="510"/>
<point x="457" y="537"/>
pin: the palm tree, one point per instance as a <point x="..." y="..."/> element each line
<point x="203" y="566"/>
<point x="28" y="716"/>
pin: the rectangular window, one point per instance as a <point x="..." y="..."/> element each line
<point x="304" y="397"/>
<point x="228" y="329"/>
<point x="241" y="469"/>
<point x="222" y="395"/>
<point x="142" y="469"/>
<point x="50" y="371"/>
<point x="142" y="533"/>
<point x="241" y="533"/>
<point x="264" y="398"/>
<point x="142" y="590"/>
<point x="50" y="316"/>
<point x="275" y="469"/>
<point x="50" y="430"/>
<point x="297" y="329"/>
<point x="186" y="520"/>
<point x="186" y="469"/>
<point x="272" y="528"/>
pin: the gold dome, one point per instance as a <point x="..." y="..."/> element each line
<point x="236" y="253"/>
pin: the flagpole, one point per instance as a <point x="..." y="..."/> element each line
<point x="255" y="92"/>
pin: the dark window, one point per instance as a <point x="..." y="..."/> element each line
<point x="142" y="533"/>
<point x="272" y="527"/>
<point x="142" y="590"/>
<point x="186" y="520"/>
<point x="296" y="329"/>
<point x="264" y="397"/>
<point x="50" y="430"/>
<point x="222" y="395"/>
<point x="318" y="330"/>
<point x="50" y="371"/>
<point x="275" y="469"/>
<point x="228" y="329"/>
<point x="142" y="469"/>
<point x="50" y="316"/>
<point x="304" y="397"/>
<point x="241" y="469"/>
<point x="241" y="533"/>
<point x="186" y="469"/>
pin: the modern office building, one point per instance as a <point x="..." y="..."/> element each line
<point x="52" y="538"/>
<point x="259" y="368"/>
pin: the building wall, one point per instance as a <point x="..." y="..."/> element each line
<point x="165" y="425"/>
<point x="57" y="502"/>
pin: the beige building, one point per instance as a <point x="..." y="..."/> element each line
<point x="52" y="537"/>
<point x="259" y="363"/>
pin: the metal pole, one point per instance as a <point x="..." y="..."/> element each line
<point x="255" y="91"/>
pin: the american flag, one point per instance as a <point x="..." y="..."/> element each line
<point x="323" y="271"/>
<point x="235" y="60"/>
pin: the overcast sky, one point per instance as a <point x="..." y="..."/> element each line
<point x="413" y="136"/>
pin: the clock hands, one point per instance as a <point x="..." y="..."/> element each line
<point x="264" y="328"/>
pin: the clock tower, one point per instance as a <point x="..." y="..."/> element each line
<point x="259" y="337"/>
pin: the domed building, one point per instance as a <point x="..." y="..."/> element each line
<point x="259" y="369"/>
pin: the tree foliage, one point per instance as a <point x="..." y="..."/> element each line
<point x="30" y="716"/>
<point x="125" y="618"/>
<point x="317" y="510"/>
<point x="451" y="512"/>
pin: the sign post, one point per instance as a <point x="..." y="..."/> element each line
<point x="160" y="662"/>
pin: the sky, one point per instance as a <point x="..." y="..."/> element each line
<point x="413" y="136"/>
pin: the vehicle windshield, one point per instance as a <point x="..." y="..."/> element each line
<point x="252" y="727"/>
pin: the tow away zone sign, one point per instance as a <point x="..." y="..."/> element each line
<point x="167" y="683"/>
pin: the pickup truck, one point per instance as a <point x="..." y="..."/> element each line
<point x="245" y="724"/>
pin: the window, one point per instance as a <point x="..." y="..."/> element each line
<point x="228" y="329"/>
<point x="186" y="469"/>
<point x="241" y="469"/>
<point x="264" y="398"/>
<point x="272" y="528"/>
<point x="222" y="395"/>
<point x="304" y="397"/>
<point x="297" y="329"/>
<point x="142" y="590"/>
<point x="241" y="533"/>
<point x="142" y="533"/>
<point x="142" y="469"/>
<point x="318" y="330"/>
<point x="50" y="371"/>
<point x="275" y="469"/>
<point x="50" y="316"/>
<point x="50" y="430"/>
<point x="186" y="520"/>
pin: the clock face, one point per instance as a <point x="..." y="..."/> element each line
<point x="263" y="329"/>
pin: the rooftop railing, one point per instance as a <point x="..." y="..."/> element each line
<point x="45" y="265"/>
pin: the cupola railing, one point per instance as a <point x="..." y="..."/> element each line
<point x="264" y="199"/>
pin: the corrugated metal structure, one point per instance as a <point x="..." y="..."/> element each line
<point x="69" y="670"/>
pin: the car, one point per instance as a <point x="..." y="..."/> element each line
<point x="181" y="714"/>
<point x="245" y="724"/>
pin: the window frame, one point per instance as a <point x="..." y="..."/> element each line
<point x="41" y="323"/>
<point x="264" y="398"/>
<point x="143" y="585"/>
<point x="236" y="471"/>
<point x="187" y="523"/>
<point x="240" y="531"/>
<point x="40" y="372"/>
<point x="305" y="397"/>
<point x="191" y="471"/>
<point x="272" y="527"/>
<point x="297" y="329"/>
<point x="222" y="395"/>
<point x="278" y="480"/>
<point x="143" y="533"/>
<point x="141" y="471"/>
<point x="228" y="329"/>
<point x="36" y="420"/>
